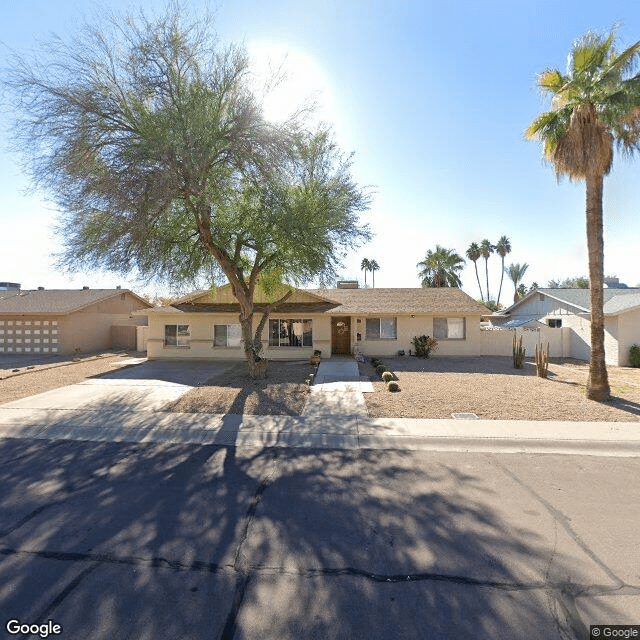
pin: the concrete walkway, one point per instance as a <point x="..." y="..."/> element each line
<point x="337" y="390"/>
<point x="324" y="431"/>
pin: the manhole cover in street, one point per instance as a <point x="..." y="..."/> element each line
<point x="464" y="416"/>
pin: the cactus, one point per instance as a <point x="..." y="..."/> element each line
<point x="393" y="386"/>
<point x="542" y="361"/>
<point x="518" y="352"/>
<point x="387" y="376"/>
<point x="381" y="369"/>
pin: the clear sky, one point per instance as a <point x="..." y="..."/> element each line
<point x="433" y="99"/>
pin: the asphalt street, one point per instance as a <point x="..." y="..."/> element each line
<point x="172" y="541"/>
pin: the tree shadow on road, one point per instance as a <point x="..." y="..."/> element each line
<point x="123" y="540"/>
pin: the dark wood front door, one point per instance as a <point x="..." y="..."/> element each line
<point x="341" y="336"/>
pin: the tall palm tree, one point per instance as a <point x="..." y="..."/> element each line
<point x="474" y="254"/>
<point x="365" y="265"/>
<point x="594" y="104"/>
<point x="486" y="249"/>
<point x="440" y="268"/>
<point x="516" y="273"/>
<point x="373" y="267"/>
<point x="503" y="246"/>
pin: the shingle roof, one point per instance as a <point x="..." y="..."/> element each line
<point x="55" y="301"/>
<point x="396" y="301"/>
<point x="443" y="300"/>
<point x="626" y="298"/>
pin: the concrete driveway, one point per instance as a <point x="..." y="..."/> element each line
<point x="144" y="387"/>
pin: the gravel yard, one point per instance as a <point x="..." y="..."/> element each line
<point x="53" y="374"/>
<point x="492" y="389"/>
<point x="283" y="392"/>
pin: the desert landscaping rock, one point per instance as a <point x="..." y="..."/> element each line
<point x="492" y="389"/>
<point x="283" y="392"/>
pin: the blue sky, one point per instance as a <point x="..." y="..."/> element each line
<point x="432" y="97"/>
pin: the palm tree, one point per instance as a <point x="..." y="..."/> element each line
<point x="503" y="246"/>
<point x="365" y="265"/>
<point x="440" y="268"/>
<point x="473" y="253"/>
<point x="373" y="267"/>
<point x="593" y="105"/>
<point x="486" y="249"/>
<point x="516" y="273"/>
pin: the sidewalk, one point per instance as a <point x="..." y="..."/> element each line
<point x="337" y="390"/>
<point x="324" y="431"/>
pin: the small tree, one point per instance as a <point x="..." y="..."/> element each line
<point x="153" y="145"/>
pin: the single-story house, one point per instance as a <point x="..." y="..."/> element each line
<point x="568" y="311"/>
<point x="65" y="321"/>
<point x="343" y="320"/>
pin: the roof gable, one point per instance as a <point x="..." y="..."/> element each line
<point x="59" y="301"/>
<point x="224" y="295"/>
<point x="615" y="300"/>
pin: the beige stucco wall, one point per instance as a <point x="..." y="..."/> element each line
<point x="85" y="331"/>
<point x="201" y="339"/>
<point x="477" y="342"/>
<point x="407" y="328"/>
<point x="628" y="335"/>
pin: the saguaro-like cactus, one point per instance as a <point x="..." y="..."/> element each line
<point x="542" y="361"/>
<point x="518" y="352"/>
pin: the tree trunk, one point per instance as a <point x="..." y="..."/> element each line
<point x="246" y="326"/>
<point x="501" y="279"/>
<point x="486" y="270"/>
<point x="598" y="382"/>
<point x="475" y="264"/>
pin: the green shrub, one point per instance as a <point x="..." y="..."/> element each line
<point x="387" y="376"/>
<point x="381" y="369"/>
<point x="375" y="361"/>
<point x="424" y="345"/>
<point x="393" y="386"/>
<point x="634" y="356"/>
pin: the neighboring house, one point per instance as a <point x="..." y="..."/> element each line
<point x="68" y="321"/>
<point x="335" y="321"/>
<point x="568" y="311"/>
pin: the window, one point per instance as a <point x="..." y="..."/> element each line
<point x="176" y="335"/>
<point x="381" y="329"/>
<point x="554" y="323"/>
<point x="290" y="333"/>
<point x="449" y="328"/>
<point x="226" y="335"/>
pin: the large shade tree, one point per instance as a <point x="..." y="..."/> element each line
<point x="594" y="105"/>
<point x="148" y="136"/>
<point x="441" y="267"/>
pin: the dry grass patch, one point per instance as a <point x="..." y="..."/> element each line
<point x="492" y="389"/>
<point x="283" y="392"/>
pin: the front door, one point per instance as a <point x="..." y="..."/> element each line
<point x="341" y="336"/>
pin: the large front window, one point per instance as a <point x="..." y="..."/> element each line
<point x="381" y="329"/>
<point x="176" y="335"/>
<point x="290" y="333"/>
<point x="449" y="328"/>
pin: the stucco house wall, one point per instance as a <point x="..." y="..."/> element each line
<point x="84" y="330"/>
<point x="628" y="334"/>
